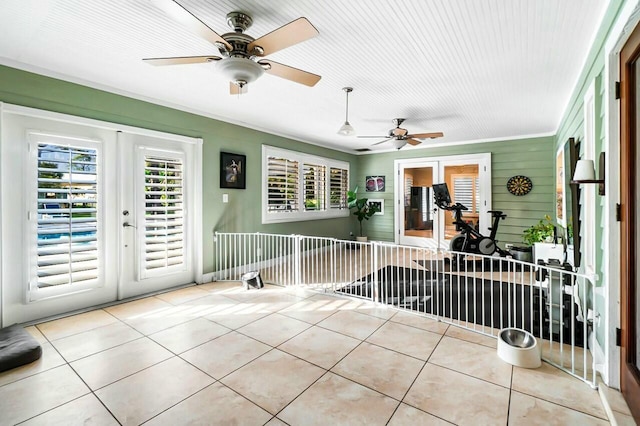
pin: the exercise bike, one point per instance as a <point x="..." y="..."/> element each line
<point x="468" y="239"/>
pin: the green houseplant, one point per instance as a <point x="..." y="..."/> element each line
<point x="539" y="233"/>
<point x="361" y="207"/>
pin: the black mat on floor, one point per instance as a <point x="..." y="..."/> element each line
<point x="457" y="297"/>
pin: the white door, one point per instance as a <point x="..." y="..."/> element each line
<point x="417" y="218"/>
<point x="155" y="218"/>
<point x="65" y="184"/>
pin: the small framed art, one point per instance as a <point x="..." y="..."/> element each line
<point x="233" y="170"/>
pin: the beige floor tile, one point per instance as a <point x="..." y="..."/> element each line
<point x="143" y="395"/>
<point x="88" y="343"/>
<point x="551" y="384"/>
<point x="311" y="310"/>
<point x="615" y="399"/>
<point x="268" y="381"/>
<point x="527" y="410"/>
<point x="238" y="315"/>
<point x="162" y="318"/>
<point x="334" y="400"/>
<point x="177" y="297"/>
<point x="35" y="333"/>
<point x="352" y="324"/>
<point x="623" y="419"/>
<point x="225" y="354"/>
<point x="377" y="310"/>
<point x="320" y="346"/>
<point x="214" y="405"/>
<point x="274" y="329"/>
<point x="408" y="340"/>
<point x="36" y="394"/>
<point x="472" y="359"/>
<point x="277" y="301"/>
<point x="416" y="320"/>
<point x="458" y="398"/>
<point x="113" y="364"/>
<point x="86" y="410"/>
<point x="68" y="326"/>
<point x="276" y="422"/>
<point x="407" y="415"/>
<point x="138" y="308"/>
<point x="221" y="286"/>
<point x="188" y="335"/>
<point x="50" y="359"/>
<point x="383" y="370"/>
<point x="472" y="336"/>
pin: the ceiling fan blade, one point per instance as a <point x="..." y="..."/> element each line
<point x="287" y="35"/>
<point x="386" y="140"/>
<point x="290" y="73"/>
<point x="413" y="141"/>
<point x="234" y="89"/>
<point x="179" y="60"/>
<point x="176" y="11"/>
<point x="426" y="135"/>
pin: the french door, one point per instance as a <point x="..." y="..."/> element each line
<point x="630" y="223"/>
<point x="418" y="221"/>
<point x="91" y="215"/>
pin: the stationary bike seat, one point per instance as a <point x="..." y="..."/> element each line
<point x="498" y="213"/>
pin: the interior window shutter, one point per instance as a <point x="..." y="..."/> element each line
<point x="282" y="184"/>
<point x="338" y="187"/>
<point x="314" y="177"/>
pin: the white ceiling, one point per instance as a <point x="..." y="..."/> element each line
<point x="473" y="69"/>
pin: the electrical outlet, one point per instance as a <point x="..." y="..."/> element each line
<point x="351" y="233"/>
<point x="225" y="198"/>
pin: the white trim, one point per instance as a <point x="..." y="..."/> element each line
<point x="198" y="235"/>
<point x="302" y="158"/>
<point x="2" y="319"/>
<point x="620" y="31"/>
<point x="99" y="124"/>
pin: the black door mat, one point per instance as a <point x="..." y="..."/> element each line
<point x="17" y="347"/>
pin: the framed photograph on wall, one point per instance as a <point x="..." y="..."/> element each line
<point x="233" y="170"/>
<point x="379" y="203"/>
<point x="561" y="209"/>
<point x="374" y="184"/>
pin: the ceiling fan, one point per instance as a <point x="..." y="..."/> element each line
<point x="401" y="136"/>
<point x="240" y="53"/>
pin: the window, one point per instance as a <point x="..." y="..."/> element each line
<point x="163" y="216"/>
<point x="66" y="224"/>
<point x="466" y="191"/>
<point x="299" y="186"/>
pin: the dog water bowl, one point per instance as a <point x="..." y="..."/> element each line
<point x="519" y="347"/>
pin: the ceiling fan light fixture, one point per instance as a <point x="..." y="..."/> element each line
<point x="240" y="69"/>
<point x="399" y="143"/>
<point x="347" y="129"/>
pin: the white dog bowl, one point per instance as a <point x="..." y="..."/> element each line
<point x="519" y="347"/>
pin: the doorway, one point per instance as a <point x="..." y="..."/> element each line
<point x="630" y="223"/>
<point x="91" y="214"/>
<point x="418" y="221"/>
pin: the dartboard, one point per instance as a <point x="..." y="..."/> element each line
<point x="519" y="185"/>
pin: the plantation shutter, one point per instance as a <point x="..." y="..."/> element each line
<point x="338" y="187"/>
<point x="282" y="184"/>
<point x="466" y="191"/>
<point x="67" y="222"/>
<point x="163" y="214"/>
<point x="314" y="176"/>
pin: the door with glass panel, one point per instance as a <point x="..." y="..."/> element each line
<point x="156" y="223"/>
<point x="417" y="215"/>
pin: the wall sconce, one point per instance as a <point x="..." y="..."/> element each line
<point x="585" y="173"/>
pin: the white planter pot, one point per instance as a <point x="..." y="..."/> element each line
<point x="361" y="239"/>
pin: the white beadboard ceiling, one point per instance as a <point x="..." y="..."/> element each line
<point x="473" y="69"/>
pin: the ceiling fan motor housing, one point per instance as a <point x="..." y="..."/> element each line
<point x="239" y="70"/>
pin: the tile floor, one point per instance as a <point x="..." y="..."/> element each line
<point x="218" y="354"/>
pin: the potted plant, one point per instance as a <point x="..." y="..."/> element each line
<point x="361" y="209"/>
<point x="541" y="232"/>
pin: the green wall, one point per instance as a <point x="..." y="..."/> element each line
<point x="530" y="157"/>
<point x="243" y="212"/>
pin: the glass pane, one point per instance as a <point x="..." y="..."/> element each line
<point x="464" y="186"/>
<point x="418" y="200"/>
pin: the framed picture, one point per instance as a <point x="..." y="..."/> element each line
<point x="379" y="203"/>
<point x="233" y="170"/>
<point x="374" y="184"/>
<point x="561" y="208"/>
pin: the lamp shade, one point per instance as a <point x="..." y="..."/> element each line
<point x="585" y="170"/>
<point x="346" y="129"/>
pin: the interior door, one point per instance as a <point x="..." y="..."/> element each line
<point x="418" y="223"/>
<point x="630" y="223"/>
<point x="156" y="222"/>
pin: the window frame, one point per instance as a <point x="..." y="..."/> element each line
<point x="301" y="214"/>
